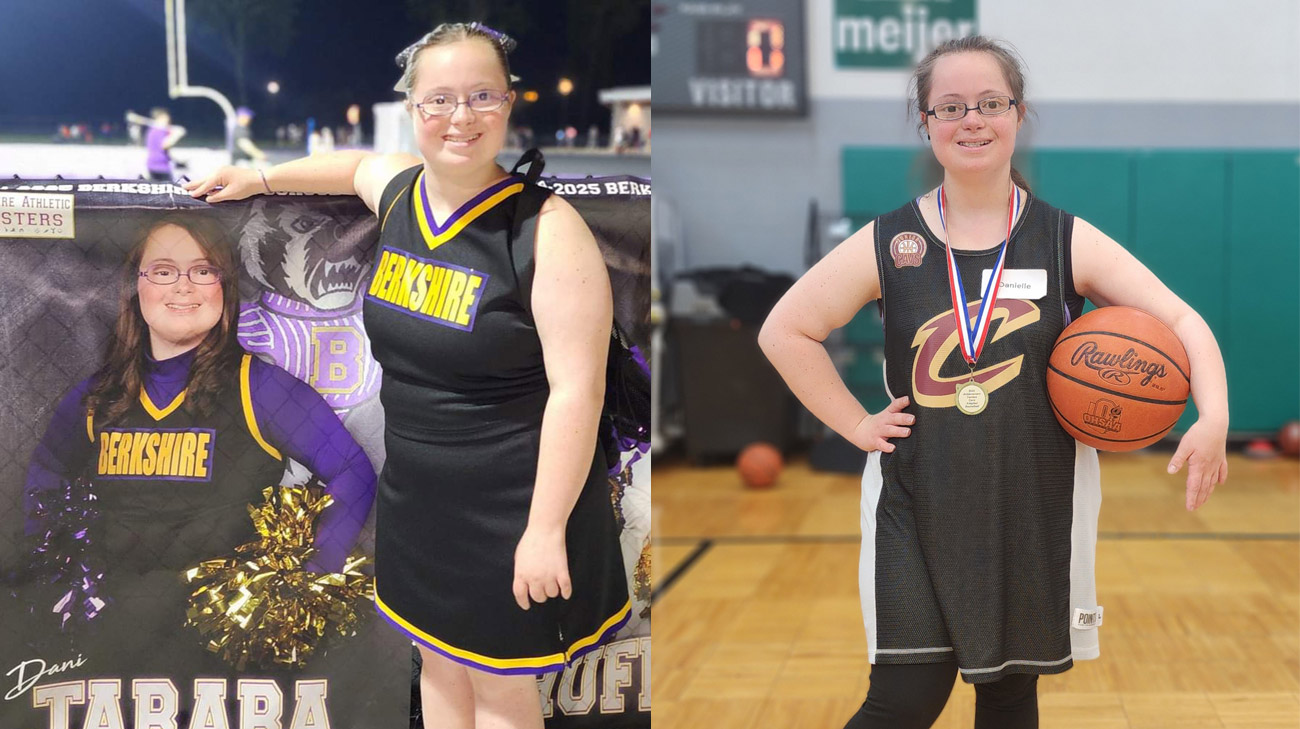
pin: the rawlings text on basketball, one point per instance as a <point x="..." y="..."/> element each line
<point x="1117" y="368"/>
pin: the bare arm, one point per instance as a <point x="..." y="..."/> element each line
<point x="375" y="171"/>
<point x="1108" y="275"/>
<point x="350" y="172"/>
<point x="825" y="299"/>
<point x="573" y="309"/>
<point x="174" y="134"/>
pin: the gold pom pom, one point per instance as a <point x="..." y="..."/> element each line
<point x="261" y="607"/>
<point x="642" y="589"/>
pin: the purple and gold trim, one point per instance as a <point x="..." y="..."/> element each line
<point x="384" y="220"/>
<point x="436" y="234"/>
<point x="156" y="412"/>
<point x="508" y="666"/>
<point x="246" y="402"/>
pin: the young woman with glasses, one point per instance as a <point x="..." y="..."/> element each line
<point x="490" y="311"/>
<point x="979" y="514"/>
<point x="179" y="432"/>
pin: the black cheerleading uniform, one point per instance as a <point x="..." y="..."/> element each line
<point x="155" y="522"/>
<point x="464" y="387"/>
<point x="173" y="489"/>
<point x="979" y="531"/>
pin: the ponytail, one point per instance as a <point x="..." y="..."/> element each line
<point x="1020" y="180"/>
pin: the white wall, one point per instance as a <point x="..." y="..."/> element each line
<point x="1122" y="50"/>
<point x="1187" y="74"/>
<point x="87" y="161"/>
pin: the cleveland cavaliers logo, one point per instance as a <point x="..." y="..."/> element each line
<point x="908" y="249"/>
<point x="937" y="341"/>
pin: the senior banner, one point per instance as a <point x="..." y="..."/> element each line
<point x="230" y="586"/>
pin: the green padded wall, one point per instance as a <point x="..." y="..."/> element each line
<point x="879" y="179"/>
<point x="1180" y="232"/>
<point x="1262" y="267"/>
<point x="1095" y="185"/>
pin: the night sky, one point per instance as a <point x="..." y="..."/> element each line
<point x="89" y="60"/>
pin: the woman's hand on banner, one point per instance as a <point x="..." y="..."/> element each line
<point x="227" y="183"/>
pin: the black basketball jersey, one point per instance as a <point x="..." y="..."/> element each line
<point x="174" y="486"/>
<point x="987" y="498"/>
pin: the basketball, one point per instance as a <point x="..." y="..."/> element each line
<point x="1118" y="379"/>
<point x="759" y="465"/>
<point x="1288" y="438"/>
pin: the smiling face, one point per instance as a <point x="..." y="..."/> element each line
<point x="179" y="315"/>
<point x="976" y="144"/>
<point x="466" y="138"/>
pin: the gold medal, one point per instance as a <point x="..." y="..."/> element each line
<point x="972" y="398"/>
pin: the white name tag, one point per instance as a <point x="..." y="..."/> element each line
<point x="1086" y="619"/>
<point x="1019" y="283"/>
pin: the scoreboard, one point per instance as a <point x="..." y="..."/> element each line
<point x="733" y="57"/>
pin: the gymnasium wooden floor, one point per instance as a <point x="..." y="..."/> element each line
<point x="757" y="623"/>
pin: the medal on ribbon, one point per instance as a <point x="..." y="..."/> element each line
<point x="972" y="398"/>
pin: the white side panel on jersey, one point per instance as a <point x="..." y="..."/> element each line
<point x="1084" y="643"/>
<point x="872" y="482"/>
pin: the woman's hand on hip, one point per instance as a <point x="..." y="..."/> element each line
<point x="874" y="431"/>
<point x="541" y="566"/>
<point x="227" y="183"/>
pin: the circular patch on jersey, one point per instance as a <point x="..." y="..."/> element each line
<point x="908" y="249"/>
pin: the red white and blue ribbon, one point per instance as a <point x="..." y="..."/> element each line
<point x="972" y="334"/>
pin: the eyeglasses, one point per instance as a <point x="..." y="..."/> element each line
<point x="479" y="101"/>
<point x="954" y="110"/>
<point x="165" y="275"/>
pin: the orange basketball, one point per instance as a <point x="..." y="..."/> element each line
<point x="1288" y="438"/>
<point x="759" y="465"/>
<point x="1118" y="379"/>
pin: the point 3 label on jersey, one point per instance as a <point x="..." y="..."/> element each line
<point x="908" y="249"/>
<point x="36" y="215"/>
<point x="1086" y="619"/>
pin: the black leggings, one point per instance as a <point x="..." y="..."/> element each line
<point x="913" y="696"/>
